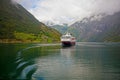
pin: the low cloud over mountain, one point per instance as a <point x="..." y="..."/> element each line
<point x="67" y="11"/>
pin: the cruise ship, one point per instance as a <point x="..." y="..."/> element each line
<point x="68" y="40"/>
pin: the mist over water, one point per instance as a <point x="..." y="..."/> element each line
<point x="85" y="61"/>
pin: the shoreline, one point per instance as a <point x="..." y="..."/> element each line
<point x="24" y="41"/>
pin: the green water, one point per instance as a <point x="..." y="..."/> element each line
<point x="85" y="61"/>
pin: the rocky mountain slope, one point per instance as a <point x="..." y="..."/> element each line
<point x="98" y="28"/>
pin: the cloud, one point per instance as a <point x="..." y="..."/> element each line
<point x="67" y="11"/>
<point x="28" y="4"/>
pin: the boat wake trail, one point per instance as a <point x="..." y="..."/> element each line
<point x="25" y="68"/>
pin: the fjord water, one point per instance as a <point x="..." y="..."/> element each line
<point x="85" y="61"/>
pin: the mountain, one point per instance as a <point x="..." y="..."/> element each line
<point x="97" y="28"/>
<point x="61" y="28"/>
<point x="17" y="24"/>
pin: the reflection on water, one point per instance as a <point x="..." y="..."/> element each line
<point x="67" y="52"/>
<point x="85" y="61"/>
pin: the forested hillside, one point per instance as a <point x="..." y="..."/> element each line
<point x="18" y="25"/>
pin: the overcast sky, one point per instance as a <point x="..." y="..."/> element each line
<point x="67" y="11"/>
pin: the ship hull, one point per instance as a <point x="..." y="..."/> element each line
<point x="68" y="40"/>
<point x="67" y="43"/>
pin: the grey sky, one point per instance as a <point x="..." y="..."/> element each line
<point x="67" y="11"/>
